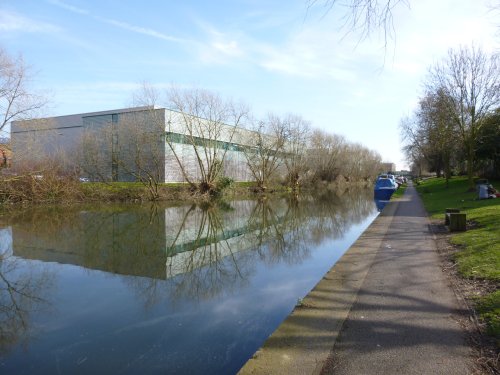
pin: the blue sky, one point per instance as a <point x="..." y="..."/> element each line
<point x="274" y="55"/>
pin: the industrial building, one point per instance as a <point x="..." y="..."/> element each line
<point x="126" y="144"/>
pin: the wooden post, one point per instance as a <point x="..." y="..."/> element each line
<point x="457" y="222"/>
<point x="447" y="214"/>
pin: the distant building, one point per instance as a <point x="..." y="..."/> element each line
<point x="119" y="145"/>
<point x="389" y="167"/>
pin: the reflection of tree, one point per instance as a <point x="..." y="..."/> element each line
<point x="285" y="231"/>
<point x="22" y="292"/>
<point x="214" y="250"/>
<point x="212" y="264"/>
<point x="129" y="240"/>
<point x="204" y="255"/>
<point x="277" y="231"/>
<point x="188" y="251"/>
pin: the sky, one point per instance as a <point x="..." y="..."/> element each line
<point x="274" y="55"/>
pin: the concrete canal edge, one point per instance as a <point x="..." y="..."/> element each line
<point x="304" y="340"/>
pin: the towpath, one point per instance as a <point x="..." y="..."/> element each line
<point x="384" y="308"/>
<point x="403" y="319"/>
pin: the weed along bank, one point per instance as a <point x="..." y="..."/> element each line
<point x="137" y="143"/>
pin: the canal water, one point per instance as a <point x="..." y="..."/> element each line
<point x="162" y="289"/>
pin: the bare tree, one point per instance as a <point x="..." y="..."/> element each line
<point x="140" y="151"/>
<point x="414" y="143"/>
<point x="440" y="130"/>
<point x="361" y="164"/>
<point x="130" y="148"/>
<point x="470" y="79"/>
<point x="43" y="169"/>
<point x="295" y="156"/>
<point x="207" y="124"/>
<point x="430" y="133"/>
<point x="95" y="150"/>
<point x="17" y="101"/>
<point x="324" y="155"/>
<point x="265" y="155"/>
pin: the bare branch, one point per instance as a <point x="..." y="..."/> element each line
<point x="17" y="102"/>
<point x="364" y="17"/>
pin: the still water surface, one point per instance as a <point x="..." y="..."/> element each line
<point x="177" y="289"/>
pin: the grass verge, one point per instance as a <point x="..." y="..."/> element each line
<point x="399" y="192"/>
<point x="479" y="247"/>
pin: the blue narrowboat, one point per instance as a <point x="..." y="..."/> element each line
<point x="384" y="188"/>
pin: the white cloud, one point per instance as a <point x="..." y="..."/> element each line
<point x="309" y="53"/>
<point x="217" y="47"/>
<point x="230" y="48"/>
<point x="10" y="21"/>
<point x="315" y="52"/>
<point x="120" y="24"/>
<point x="140" y="30"/>
<point x="71" y="8"/>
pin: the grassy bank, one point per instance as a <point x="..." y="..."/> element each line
<point x="29" y="189"/>
<point x="399" y="192"/>
<point x="479" y="247"/>
<point x="51" y="188"/>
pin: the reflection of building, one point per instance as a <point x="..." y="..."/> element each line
<point x="120" y="144"/>
<point x="163" y="243"/>
<point x="207" y="237"/>
<point x="138" y="242"/>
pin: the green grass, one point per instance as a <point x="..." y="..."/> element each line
<point x="489" y="308"/>
<point x="399" y="192"/>
<point x="130" y="191"/>
<point x="479" y="256"/>
<point x="437" y="197"/>
<point x="245" y="184"/>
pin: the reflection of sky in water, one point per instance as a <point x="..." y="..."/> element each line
<point x="5" y="241"/>
<point x="207" y="321"/>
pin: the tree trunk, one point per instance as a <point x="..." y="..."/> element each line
<point x="447" y="169"/>
<point x="470" y="167"/>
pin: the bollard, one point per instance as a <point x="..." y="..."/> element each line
<point x="458" y="222"/>
<point x="448" y="211"/>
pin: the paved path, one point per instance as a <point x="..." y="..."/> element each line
<point x="402" y="321"/>
<point x="384" y="308"/>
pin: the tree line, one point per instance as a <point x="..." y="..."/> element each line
<point x="455" y="127"/>
<point x="275" y="149"/>
<point x="210" y="140"/>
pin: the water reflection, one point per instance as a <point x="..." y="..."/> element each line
<point x="23" y="292"/>
<point x="380" y="203"/>
<point x="380" y="200"/>
<point x="173" y="254"/>
<point x="165" y="242"/>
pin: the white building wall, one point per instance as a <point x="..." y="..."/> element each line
<point x="196" y="130"/>
<point x="63" y="135"/>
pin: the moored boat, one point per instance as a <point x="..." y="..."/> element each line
<point x="384" y="188"/>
